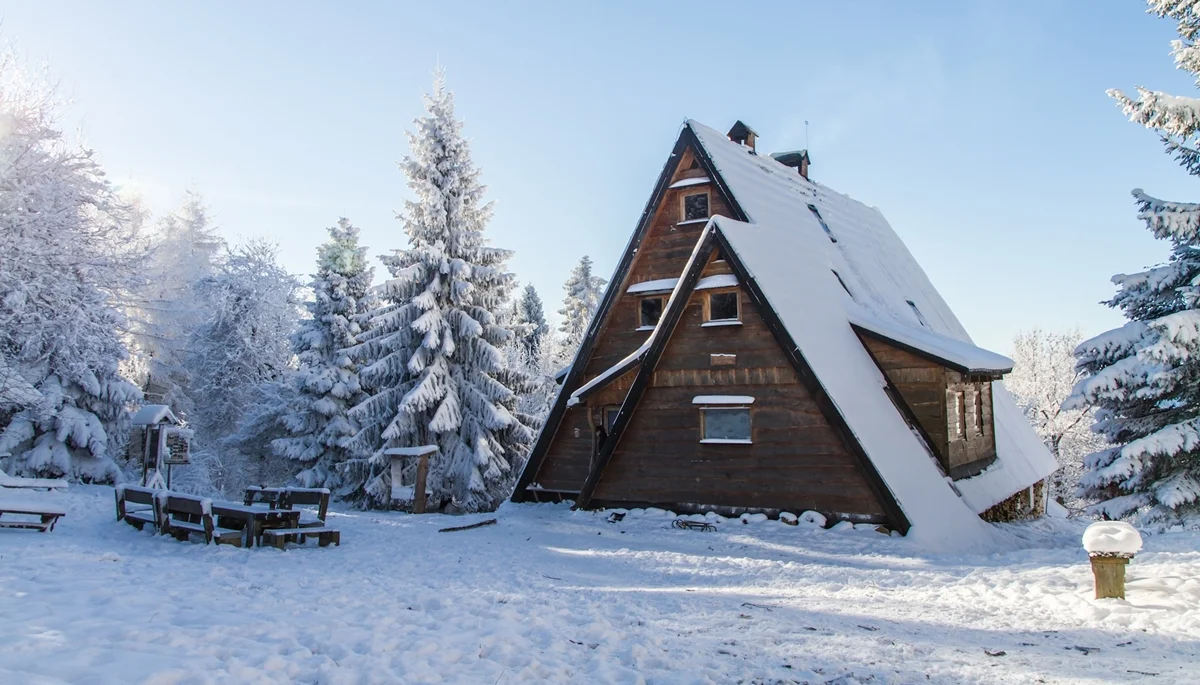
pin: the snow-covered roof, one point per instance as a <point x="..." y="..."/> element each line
<point x="684" y="183"/>
<point x="886" y="283"/>
<point x="611" y="373"/>
<point x="723" y="399"/>
<point x="957" y="354"/>
<point x="666" y="285"/>
<point x="151" y="414"/>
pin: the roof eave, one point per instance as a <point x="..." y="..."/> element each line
<point x="926" y="354"/>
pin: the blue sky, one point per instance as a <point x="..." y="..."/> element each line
<point x="980" y="129"/>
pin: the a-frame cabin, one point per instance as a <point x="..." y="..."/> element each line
<point x="767" y="344"/>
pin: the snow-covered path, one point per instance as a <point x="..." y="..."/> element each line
<point x="553" y="596"/>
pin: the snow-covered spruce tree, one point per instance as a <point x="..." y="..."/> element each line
<point x="1144" y="378"/>
<point x="531" y="318"/>
<point x="1042" y="378"/>
<point x="326" y="383"/>
<point x="584" y="292"/>
<point x="434" y="365"/>
<point x="243" y="344"/>
<point x="65" y="263"/>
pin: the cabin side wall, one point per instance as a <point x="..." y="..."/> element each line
<point x="796" y="461"/>
<point x="941" y="399"/>
<point x="975" y="446"/>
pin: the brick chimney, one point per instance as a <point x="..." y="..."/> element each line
<point x="797" y="159"/>
<point x="741" y="133"/>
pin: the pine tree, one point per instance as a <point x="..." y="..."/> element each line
<point x="584" y="292"/>
<point x="65" y="264"/>
<point x="326" y="384"/>
<point x="434" y="368"/>
<point x="1144" y="377"/>
<point x="531" y="320"/>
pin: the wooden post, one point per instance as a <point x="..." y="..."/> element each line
<point x="1109" y="573"/>
<point x="419" y="488"/>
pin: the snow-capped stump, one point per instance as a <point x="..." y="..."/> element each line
<point x="1110" y="545"/>
<point x="789" y="518"/>
<point x="813" y="519"/>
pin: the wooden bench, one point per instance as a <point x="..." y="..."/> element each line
<point x="48" y="515"/>
<point x="280" y="536"/>
<point x="147" y="513"/>
<point x="307" y="496"/>
<point x="183" y="515"/>
<point x="256" y="494"/>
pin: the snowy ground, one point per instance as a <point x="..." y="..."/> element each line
<point x="552" y="596"/>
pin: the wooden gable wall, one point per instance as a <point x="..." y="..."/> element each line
<point x="663" y="254"/>
<point x="797" y="460"/>
<point x="927" y="388"/>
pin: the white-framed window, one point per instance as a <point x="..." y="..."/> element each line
<point x="957" y="414"/>
<point x="977" y="410"/>
<point x="650" y="310"/>
<point x="725" y="425"/>
<point x="723" y="307"/>
<point x="695" y="206"/>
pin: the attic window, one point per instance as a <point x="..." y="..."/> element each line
<point x="695" y="207"/>
<point x="839" y="277"/>
<point x="725" y="425"/>
<point x="723" y="308"/>
<point x="649" y="312"/>
<point x="920" y="316"/>
<point x="610" y="418"/>
<point x="821" y="220"/>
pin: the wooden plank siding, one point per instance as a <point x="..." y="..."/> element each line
<point x="664" y="254"/>
<point x="922" y="385"/>
<point x="796" y="462"/>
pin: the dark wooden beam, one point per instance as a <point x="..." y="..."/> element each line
<point x="666" y="326"/>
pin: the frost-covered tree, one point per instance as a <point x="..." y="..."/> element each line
<point x="326" y="383"/>
<point x="433" y="352"/>
<point x="243" y="344"/>
<point x="1144" y="378"/>
<point x="531" y="322"/>
<point x="1042" y="378"/>
<point x="186" y="249"/>
<point x="584" y="292"/>
<point x="65" y="264"/>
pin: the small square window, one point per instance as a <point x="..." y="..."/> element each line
<point x="723" y="307"/>
<point x="650" y="312"/>
<point x="610" y="418"/>
<point x="695" y="207"/>
<point x="725" y="424"/>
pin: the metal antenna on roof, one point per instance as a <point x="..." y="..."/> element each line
<point x="806" y="134"/>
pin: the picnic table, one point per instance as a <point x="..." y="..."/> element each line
<point x="48" y="514"/>
<point x="253" y="520"/>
